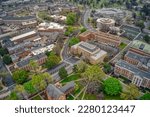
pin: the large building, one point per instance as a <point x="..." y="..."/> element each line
<point x="48" y="28"/>
<point x="112" y="13"/>
<point x="59" y="93"/>
<point x="104" y="24"/>
<point x="101" y="37"/>
<point x="24" y="37"/>
<point x="140" y="47"/>
<point x="18" y="20"/>
<point x="24" y="64"/>
<point x="89" y="52"/>
<point x="138" y="77"/>
<point x="142" y="62"/>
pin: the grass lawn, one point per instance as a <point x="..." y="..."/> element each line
<point x="71" y="78"/>
<point x="122" y="46"/>
<point x="37" y="98"/>
<point x="108" y="97"/>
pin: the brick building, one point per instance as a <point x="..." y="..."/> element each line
<point x="24" y="64"/>
<point x="138" y="77"/>
<point x="101" y="37"/>
<point x="59" y="93"/>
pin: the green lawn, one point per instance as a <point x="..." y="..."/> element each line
<point x="122" y="46"/>
<point x="37" y="98"/>
<point x="71" y="78"/>
<point x="70" y="97"/>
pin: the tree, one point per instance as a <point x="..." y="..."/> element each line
<point x="140" y="24"/>
<point x="147" y="38"/>
<point x="73" y="41"/>
<point x="81" y="67"/>
<point x="13" y="96"/>
<point x="131" y="93"/>
<point x="112" y="86"/>
<point x="71" y="19"/>
<point x="41" y="80"/>
<point x="63" y="73"/>
<point x="82" y="29"/>
<point x="20" y="89"/>
<point x="28" y="86"/>
<point x="3" y="51"/>
<point x="107" y="67"/>
<point x="52" y="61"/>
<point x="7" y="59"/>
<point x="20" y="76"/>
<point x="93" y="73"/>
<point x="145" y="97"/>
<point x="35" y="67"/>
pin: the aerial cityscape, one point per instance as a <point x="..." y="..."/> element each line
<point x="74" y="49"/>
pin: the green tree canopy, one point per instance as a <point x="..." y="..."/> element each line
<point x="71" y="19"/>
<point x="73" y="41"/>
<point x="131" y="93"/>
<point x="93" y="73"/>
<point x="107" y="67"/>
<point x="147" y="38"/>
<point x="3" y="51"/>
<point x="63" y="73"/>
<point x="52" y="61"/>
<point x="7" y="59"/>
<point x="145" y="97"/>
<point x="20" y="76"/>
<point x="13" y="96"/>
<point x="28" y="86"/>
<point x="112" y="86"/>
<point x="83" y="29"/>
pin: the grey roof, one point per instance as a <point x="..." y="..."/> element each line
<point x="88" y="46"/>
<point x="53" y="91"/>
<point x="18" y="18"/>
<point x="143" y="59"/>
<point x="27" y="61"/>
<point x="68" y="86"/>
<point x="133" y="69"/>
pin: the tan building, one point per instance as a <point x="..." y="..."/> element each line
<point x="89" y="52"/>
<point x="104" y="24"/>
<point x="101" y="37"/>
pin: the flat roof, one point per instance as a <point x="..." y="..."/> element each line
<point x="23" y="35"/>
<point x="51" y="25"/>
<point x="89" y="47"/>
<point x="141" y="46"/>
<point x="99" y="54"/>
<point x="133" y="69"/>
<point x="18" y="18"/>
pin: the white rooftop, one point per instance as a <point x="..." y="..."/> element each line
<point x="51" y="25"/>
<point x="23" y="35"/>
<point x="98" y="55"/>
<point x="43" y="50"/>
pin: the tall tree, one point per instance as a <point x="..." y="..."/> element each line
<point x="20" y="76"/>
<point x="63" y="73"/>
<point x="20" y="89"/>
<point x="131" y="93"/>
<point x="112" y="86"/>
